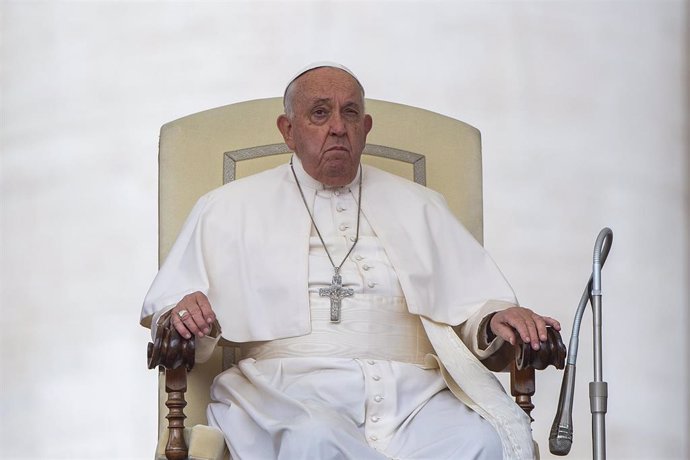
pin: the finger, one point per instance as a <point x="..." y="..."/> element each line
<point x="532" y="333"/>
<point x="188" y="319"/>
<point x="505" y="332"/>
<point x="530" y="325"/>
<point x="205" y="306"/>
<point x="193" y="318"/>
<point x="201" y="313"/>
<point x="552" y="322"/>
<point x="179" y="325"/>
<point x="540" y="324"/>
<point x="196" y="322"/>
<point x="518" y="323"/>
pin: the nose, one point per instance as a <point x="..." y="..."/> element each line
<point x="337" y="125"/>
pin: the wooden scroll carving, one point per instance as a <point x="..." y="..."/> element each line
<point x="175" y="354"/>
<point x="522" y="381"/>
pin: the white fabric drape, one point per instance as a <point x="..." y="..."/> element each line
<point x="248" y="246"/>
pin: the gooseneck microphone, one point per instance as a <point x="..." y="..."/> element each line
<point x="561" y="435"/>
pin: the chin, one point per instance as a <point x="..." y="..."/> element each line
<point x="338" y="175"/>
<point x="340" y="179"/>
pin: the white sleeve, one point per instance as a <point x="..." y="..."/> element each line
<point x="473" y="334"/>
<point x="183" y="271"/>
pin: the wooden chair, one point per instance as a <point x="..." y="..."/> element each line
<point x="202" y="151"/>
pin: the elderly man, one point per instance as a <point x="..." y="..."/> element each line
<point x="341" y="283"/>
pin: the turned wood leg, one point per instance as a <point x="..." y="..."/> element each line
<point x="175" y="354"/>
<point x="522" y="377"/>
<point x="175" y="386"/>
<point x="522" y="386"/>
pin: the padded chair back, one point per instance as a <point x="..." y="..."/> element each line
<point x="200" y="152"/>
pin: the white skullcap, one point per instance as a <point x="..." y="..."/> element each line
<point x="316" y="65"/>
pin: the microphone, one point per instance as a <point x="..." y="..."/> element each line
<point x="561" y="437"/>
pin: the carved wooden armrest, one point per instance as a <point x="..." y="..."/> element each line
<point x="522" y="381"/>
<point x="175" y="354"/>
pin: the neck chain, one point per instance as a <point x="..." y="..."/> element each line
<point x="335" y="291"/>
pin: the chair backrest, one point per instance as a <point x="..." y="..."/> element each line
<point x="200" y="152"/>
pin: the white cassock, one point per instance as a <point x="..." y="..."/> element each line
<point x="369" y="386"/>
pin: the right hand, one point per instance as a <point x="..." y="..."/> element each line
<point x="198" y="318"/>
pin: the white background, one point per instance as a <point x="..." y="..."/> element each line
<point x="583" y="108"/>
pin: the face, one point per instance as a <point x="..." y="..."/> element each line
<point x="327" y="128"/>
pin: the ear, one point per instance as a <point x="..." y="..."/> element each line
<point x="368" y="123"/>
<point x="285" y="127"/>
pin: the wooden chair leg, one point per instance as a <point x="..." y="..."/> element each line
<point x="522" y="376"/>
<point x="522" y="387"/>
<point x="175" y="386"/>
<point x="175" y="354"/>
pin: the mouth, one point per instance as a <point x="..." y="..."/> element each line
<point x="337" y="148"/>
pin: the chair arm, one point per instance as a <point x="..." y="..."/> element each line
<point x="551" y="353"/>
<point x="522" y="375"/>
<point x="175" y="354"/>
<point x="169" y="349"/>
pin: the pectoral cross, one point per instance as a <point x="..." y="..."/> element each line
<point x="336" y="292"/>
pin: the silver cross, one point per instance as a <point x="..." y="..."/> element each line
<point x="336" y="293"/>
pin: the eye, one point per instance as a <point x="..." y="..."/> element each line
<point x="351" y="112"/>
<point x="319" y="114"/>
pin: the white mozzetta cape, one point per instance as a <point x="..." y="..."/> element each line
<point x="246" y="246"/>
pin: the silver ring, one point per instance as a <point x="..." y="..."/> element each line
<point x="182" y="313"/>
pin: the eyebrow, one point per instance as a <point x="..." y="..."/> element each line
<point x="321" y="101"/>
<point x="329" y="101"/>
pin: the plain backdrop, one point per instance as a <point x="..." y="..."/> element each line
<point x="583" y="109"/>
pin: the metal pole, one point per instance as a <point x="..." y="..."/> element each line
<point x="598" y="389"/>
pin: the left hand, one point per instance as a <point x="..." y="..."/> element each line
<point x="530" y="326"/>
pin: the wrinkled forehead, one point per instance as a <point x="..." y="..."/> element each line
<point x="327" y="85"/>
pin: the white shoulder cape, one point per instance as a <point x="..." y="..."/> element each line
<point x="246" y="246"/>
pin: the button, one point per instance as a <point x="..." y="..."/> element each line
<point x="343" y="227"/>
<point x="375" y="418"/>
<point x="371" y="362"/>
<point x="371" y="284"/>
<point x="373" y="437"/>
<point x="376" y="378"/>
<point x="358" y="257"/>
<point x="336" y="192"/>
<point x="339" y="208"/>
<point x="352" y="238"/>
<point x="366" y="267"/>
<point x="378" y="398"/>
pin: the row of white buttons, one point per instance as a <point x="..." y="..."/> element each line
<point x="365" y="267"/>
<point x="378" y="398"/>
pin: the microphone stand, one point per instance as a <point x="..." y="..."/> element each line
<point x="561" y="437"/>
<point x="598" y="389"/>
